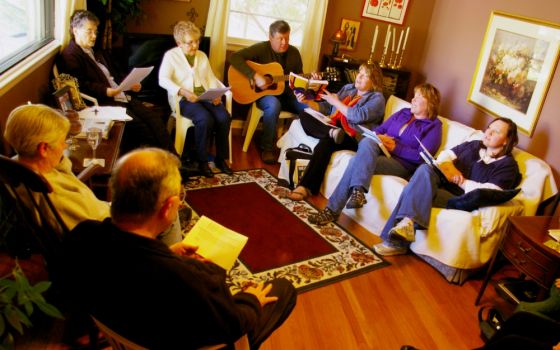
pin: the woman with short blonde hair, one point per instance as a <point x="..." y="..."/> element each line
<point x="29" y="125"/>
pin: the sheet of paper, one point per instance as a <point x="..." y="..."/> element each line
<point x="104" y="112"/>
<point x="212" y="94"/>
<point x="134" y="77"/>
<point x="319" y="116"/>
<point x="215" y="242"/>
<point x="372" y="135"/>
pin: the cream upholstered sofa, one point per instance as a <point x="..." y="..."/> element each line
<point x="456" y="242"/>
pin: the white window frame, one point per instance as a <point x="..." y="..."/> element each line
<point x="20" y="64"/>
<point x="235" y="43"/>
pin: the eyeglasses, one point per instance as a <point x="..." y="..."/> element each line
<point x="192" y="43"/>
<point x="90" y="32"/>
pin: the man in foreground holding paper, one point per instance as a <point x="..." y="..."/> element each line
<point x="96" y="78"/>
<point x="134" y="284"/>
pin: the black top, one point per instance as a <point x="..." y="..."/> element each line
<point x="143" y="291"/>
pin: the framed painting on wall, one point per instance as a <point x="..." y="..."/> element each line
<point x="392" y="11"/>
<point x="351" y="29"/>
<point x="515" y="67"/>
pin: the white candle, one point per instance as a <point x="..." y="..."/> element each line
<point x="405" y="38"/>
<point x="400" y="40"/>
<point x="374" y="38"/>
<point x="387" y="38"/>
<point x="394" y="35"/>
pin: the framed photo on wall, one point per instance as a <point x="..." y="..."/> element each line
<point x="351" y="29"/>
<point x="392" y="11"/>
<point x="515" y="67"/>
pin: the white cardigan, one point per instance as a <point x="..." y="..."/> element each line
<point x="176" y="73"/>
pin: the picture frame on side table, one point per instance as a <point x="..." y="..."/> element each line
<point x="351" y="29"/>
<point x="392" y="11"/>
<point x="63" y="98"/>
<point x="515" y="68"/>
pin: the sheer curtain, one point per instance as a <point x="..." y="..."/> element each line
<point x="313" y="33"/>
<point x="63" y="11"/>
<point x="217" y="24"/>
<point x="216" y="29"/>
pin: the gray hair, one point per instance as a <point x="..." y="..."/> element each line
<point x="141" y="181"/>
<point x="183" y="28"/>
<point x="79" y="17"/>
<point x="279" y="26"/>
<point x="29" y="125"/>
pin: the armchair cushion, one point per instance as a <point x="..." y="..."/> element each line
<point x="481" y="197"/>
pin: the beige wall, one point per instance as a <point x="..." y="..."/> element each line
<point x="35" y="88"/>
<point x="161" y="15"/>
<point x="450" y="55"/>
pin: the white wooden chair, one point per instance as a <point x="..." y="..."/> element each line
<point x="254" y="116"/>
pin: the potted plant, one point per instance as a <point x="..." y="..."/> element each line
<point x="18" y="299"/>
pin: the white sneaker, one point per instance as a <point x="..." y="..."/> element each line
<point x="403" y="231"/>
<point x="389" y="250"/>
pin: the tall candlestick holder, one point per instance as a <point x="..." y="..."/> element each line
<point x="390" y="64"/>
<point x="382" y="60"/>
<point x="370" y="58"/>
<point x="400" y="60"/>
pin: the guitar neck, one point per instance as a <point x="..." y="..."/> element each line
<point x="280" y="78"/>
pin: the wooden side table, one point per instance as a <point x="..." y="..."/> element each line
<point x="523" y="246"/>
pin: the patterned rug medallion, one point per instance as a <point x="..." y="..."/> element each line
<point x="282" y="243"/>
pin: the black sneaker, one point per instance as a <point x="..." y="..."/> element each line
<point x="222" y="165"/>
<point x="205" y="169"/>
<point x="357" y="199"/>
<point x="323" y="217"/>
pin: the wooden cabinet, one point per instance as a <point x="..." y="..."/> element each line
<point x="523" y="246"/>
<point x="339" y="73"/>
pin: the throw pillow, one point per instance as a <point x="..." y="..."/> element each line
<point x="482" y="197"/>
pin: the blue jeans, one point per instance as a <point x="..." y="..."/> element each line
<point x="207" y="118"/>
<point x="271" y="107"/>
<point x="420" y="195"/>
<point x="368" y="161"/>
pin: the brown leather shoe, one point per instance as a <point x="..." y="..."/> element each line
<point x="268" y="157"/>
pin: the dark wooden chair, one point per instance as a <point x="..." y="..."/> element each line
<point x="27" y="190"/>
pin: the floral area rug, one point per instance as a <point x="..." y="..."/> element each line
<point x="282" y="243"/>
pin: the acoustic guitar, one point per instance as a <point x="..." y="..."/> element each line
<point x="245" y="90"/>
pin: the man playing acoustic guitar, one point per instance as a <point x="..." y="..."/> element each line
<point x="276" y="49"/>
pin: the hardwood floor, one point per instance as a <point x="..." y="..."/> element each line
<point x="408" y="302"/>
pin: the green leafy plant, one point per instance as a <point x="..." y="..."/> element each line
<point x="119" y="12"/>
<point x="18" y="299"/>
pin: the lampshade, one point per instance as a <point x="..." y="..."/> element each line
<point x="339" y="36"/>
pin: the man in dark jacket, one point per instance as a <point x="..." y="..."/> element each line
<point x="122" y="275"/>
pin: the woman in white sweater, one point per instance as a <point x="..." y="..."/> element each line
<point x="185" y="73"/>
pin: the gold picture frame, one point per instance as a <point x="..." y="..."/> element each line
<point x="73" y="90"/>
<point x="515" y="68"/>
<point x="351" y="29"/>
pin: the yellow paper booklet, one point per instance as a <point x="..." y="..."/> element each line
<point x="215" y="242"/>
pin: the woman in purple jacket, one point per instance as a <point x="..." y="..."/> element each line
<point x="398" y="134"/>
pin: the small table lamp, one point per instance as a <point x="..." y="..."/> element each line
<point x="338" y="38"/>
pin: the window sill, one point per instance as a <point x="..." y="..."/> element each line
<point x="21" y="70"/>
